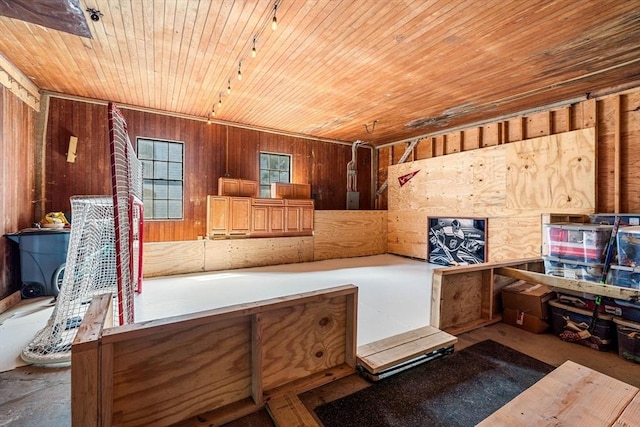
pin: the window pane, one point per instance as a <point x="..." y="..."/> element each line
<point x="284" y="176"/>
<point x="160" y="190"/>
<point x="174" y="209"/>
<point x="145" y="149"/>
<point x="175" y="190"/>
<point x="265" y="191"/>
<point x="161" y="150"/>
<point x="148" y="210"/>
<point x="160" y="209"/>
<point x="264" y="177"/>
<point x="147" y="191"/>
<point x="274" y="176"/>
<point x="273" y="162"/>
<point x="147" y="169"/>
<point x="160" y="170"/>
<point x="175" y="152"/>
<point x="264" y="161"/>
<point x="283" y="163"/>
<point x="175" y="171"/>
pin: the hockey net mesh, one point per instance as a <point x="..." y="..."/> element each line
<point x="104" y="254"/>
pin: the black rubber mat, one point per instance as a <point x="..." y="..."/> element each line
<point x="461" y="389"/>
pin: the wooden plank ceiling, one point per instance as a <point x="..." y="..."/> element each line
<point x="333" y="66"/>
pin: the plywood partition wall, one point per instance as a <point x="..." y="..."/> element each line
<point x="511" y="185"/>
<point x="215" y="365"/>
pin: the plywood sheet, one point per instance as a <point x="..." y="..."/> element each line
<point x="511" y="185"/>
<point x="289" y="354"/>
<point x="192" y="383"/>
<point x="164" y="259"/>
<point x="552" y="172"/>
<point x="345" y="234"/>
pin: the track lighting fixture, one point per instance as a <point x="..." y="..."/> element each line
<point x="253" y="49"/>
<point x="229" y="87"/>
<point x="274" y="22"/>
<point x="220" y="101"/>
<point x="240" y="70"/>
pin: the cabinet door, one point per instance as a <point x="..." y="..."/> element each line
<point x="292" y="219"/>
<point x="301" y="191"/>
<point x="248" y="188"/>
<point x="276" y="219"/>
<point x="228" y="186"/>
<point x="217" y="215"/>
<point x="240" y="213"/>
<point x="260" y="219"/>
<point x="306" y="220"/>
<point x="282" y="190"/>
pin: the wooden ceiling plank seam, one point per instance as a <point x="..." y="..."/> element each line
<point x="221" y="51"/>
<point x="328" y="47"/>
<point x="161" y="26"/>
<point x="146" y="48"/>
<point x="121" y="36"/>
<point x="206" y="49"/>
<point x="248" y="30"/>
<point x="194" y="24"/>
<point x="130" y="27"/>
<point x="134" y="13"/>
<point x="176" y="41"/>
<point x="377" y="42"/>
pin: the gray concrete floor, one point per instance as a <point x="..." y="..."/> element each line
<point x="31" y="396"/>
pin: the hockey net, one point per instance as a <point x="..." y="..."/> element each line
<point x="104" y="254"/>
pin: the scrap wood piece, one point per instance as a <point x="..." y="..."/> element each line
<point x="287" y="410"/>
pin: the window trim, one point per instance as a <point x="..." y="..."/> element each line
<point x="183" y="198"/>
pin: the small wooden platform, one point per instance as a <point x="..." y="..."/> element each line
<point x="393" y="354"/>
<point x="571" y="395"/>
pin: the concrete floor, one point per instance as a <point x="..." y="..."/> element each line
<point x="32" y="396"/>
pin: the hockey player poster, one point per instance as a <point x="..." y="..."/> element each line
<point x="457" y="241"/>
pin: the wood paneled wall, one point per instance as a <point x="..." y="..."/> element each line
<point x="211" y="151"/>
<point x="17" y="148"/>
<point x="615" y="117"/>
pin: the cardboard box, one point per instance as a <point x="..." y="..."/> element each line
<point x="524" y="321"/>
<point x="529" y="298"/>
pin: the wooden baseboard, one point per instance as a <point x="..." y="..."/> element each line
<point x="10" y="301"/>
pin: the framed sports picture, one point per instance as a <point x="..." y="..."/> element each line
<point x="457" y="241"/>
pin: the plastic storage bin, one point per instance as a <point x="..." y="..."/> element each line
<point x="572" y="269"/>
<point x="42" y="252"/>
<point x="628" y="339"/>
<point x="580" y="242"/>
<point x="572" y="324"/>
<point x="609" y="218"/>
<point x="628" y="240"/>
<point x="629" y="310"/>
<point x="588" y="302"/>
<point x="623" y="276"/>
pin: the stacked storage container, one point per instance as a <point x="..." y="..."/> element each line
<point x="577" y="251"/>
<point x="627" y="274"/>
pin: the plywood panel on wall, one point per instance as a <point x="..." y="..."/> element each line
<point x="344" y="234"/>
<point x="494" y="183"/>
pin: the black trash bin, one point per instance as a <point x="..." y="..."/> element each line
<point x="43" y="253"/>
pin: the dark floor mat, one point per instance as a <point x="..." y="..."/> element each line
<point x="457" y="390"/>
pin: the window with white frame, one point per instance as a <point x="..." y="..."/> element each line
<point x="274" y="167"/>
<point x="163" y="178"/>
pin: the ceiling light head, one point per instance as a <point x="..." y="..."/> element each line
<point x="239" y="70"/>
<point x="254" y="53"/>
<point x="229" y="87"/>
<point x="220" y="101"/>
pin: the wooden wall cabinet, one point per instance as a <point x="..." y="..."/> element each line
<point x="283" y="190"/>
<point x="237" y="187"/>
<point x="258" y="217"/>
